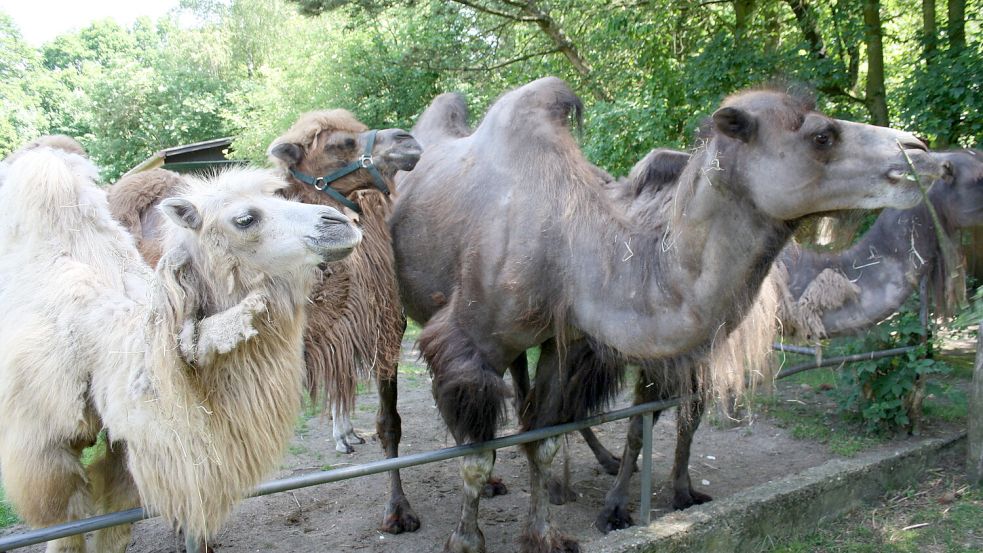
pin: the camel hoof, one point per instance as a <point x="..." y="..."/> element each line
<point x="560" y="493"/>
<point x="354" y="438"/>
<point x="400" y="518"/>
<point x="613" y="518"/>
<point x="612" y="465"/>
<point x="686" y="500"/>
<point x="554" y="542"/>
<point x="465" y="543"/>
<point x="341" y="446"/>
<point x="494" y="487"/>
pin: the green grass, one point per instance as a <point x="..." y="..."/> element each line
<point x="804" y="407"/>
<point x="7" y="516"/>
<point x="939" y="515"/>
<point x="412" y="333"/>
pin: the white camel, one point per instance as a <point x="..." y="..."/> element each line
<point x="195" y="371"/>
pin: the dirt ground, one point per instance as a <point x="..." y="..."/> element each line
<point x="343" y="517"/>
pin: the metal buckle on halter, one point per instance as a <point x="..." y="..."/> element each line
<point x="320" y="184"/>
<point x="366" y="161"/>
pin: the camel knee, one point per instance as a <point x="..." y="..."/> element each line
<point x="475" y="471"/>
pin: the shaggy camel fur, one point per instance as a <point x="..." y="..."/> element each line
<point x="355" y="322"/>
<point x="504" y="239"/>
<point x="195" y="370"/>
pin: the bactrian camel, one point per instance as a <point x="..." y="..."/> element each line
<point x="505" y="239"/>
<point x="195" y="370"/>
<point x="355" y="322"/>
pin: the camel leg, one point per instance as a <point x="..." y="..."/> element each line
<point x="47" y="486"/>
<point x="614" y="515"/>
<point x="343" y="431"/>
<point x="467" y="537"/>
<point x="539" y="535"/>
<point x="684" y="495"/>
<point x="113" y="490"/>
<point x="520" y="385"/>
<point x="609" y="462"/>
<point x="399" y="516"/>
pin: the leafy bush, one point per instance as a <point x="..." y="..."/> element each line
<point x="887" y="393"/>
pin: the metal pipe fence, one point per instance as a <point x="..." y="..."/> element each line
<point x="646" y="410"/>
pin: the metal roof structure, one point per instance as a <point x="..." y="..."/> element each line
<point x="190" y="157"/>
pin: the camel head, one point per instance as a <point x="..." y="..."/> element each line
<point x="235" y="222"/>
<point x="323" y="142"/>
<point x="792" y="160"/>
<point x="958" y="195"/>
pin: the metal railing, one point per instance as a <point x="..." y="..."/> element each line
<point x="646" y="410"/>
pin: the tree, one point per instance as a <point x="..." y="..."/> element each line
<point x="876" y="94"/>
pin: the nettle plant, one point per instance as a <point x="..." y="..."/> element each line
<point x="887" y="393"/>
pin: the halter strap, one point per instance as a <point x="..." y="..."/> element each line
<point x="364" y="161"/>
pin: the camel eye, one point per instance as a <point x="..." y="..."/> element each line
<point x="244" y="221"/>
<point x="823" y="139"/>
<point x="349" y="142"/>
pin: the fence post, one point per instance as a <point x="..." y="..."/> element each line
<point x="645" y="502"/>
<point x="974" y="464"/>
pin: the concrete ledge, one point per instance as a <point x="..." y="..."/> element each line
<point x="794" y="505"/>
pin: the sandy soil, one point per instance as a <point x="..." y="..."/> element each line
<point x="344" y="517"/>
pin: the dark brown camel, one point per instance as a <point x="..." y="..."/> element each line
<point x="506" y="239"/>
<point x="355" y="323"/>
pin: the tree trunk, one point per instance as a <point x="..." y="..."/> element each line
<point x="929" y="29"/>
<point x="806" y="20"/>
<point x="876" y="95"/>
<point x="974" y="461"/>
<point x="742" y="13"/>
<point x="957" y="26"/>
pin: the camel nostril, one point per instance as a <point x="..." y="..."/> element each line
<point x="333" y="218"/>
<point x="404" y="136"/>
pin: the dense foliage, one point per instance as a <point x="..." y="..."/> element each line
<point x="648" y="70"/>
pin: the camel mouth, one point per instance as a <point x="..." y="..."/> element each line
<point x="405" y="160"/>
<point x="335" y="242"/>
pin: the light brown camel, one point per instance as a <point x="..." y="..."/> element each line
<point x="355" y="322"/>
<point x="505" y="239"/>
<point x="194" y="370"/>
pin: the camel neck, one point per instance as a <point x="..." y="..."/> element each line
<point x="661" y="290"/>
<point x="887" y="265"/>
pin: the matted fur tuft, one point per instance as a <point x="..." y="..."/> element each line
<point x="470" y="395"/>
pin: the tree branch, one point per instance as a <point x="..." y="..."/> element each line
<point x="489" y="11"/>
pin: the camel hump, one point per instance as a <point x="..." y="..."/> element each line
<point x="445" y="119"/>
<point x="658" y="169"/>
<point x="46" y="188"/>
<point x="546" y="103"/>
<point x="134" y="194"/>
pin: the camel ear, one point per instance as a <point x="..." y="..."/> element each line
<point x="288" y="153"/>
<point x="182" y="212"/>
<point x="735" y="123"/>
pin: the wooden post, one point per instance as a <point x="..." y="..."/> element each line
<point x="974" y="464"/>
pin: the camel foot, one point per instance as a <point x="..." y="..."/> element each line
<point x="353" y="438"/>
<point x="685" y="500"/>
<point x="614" y="517"/>
<point x="400" y="518"/>
<point x="494" y="487"/>
<point x="342" y="446"/>
<point x="560" y="492"/>
<point x="552" y="542"/>
<point x="465" y="543"/>
<point x="612" y="465"/>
